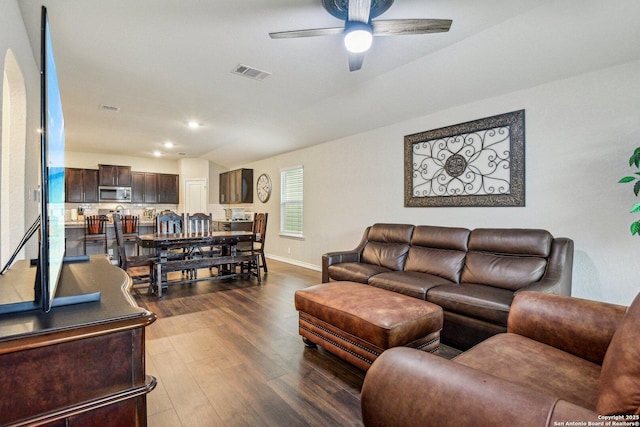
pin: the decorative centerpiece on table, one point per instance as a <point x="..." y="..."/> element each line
<point x="634" y="160"/>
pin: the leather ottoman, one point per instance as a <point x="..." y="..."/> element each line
<point x="357" y="322"/>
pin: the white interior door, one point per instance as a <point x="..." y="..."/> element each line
<point x="195" y="196"/>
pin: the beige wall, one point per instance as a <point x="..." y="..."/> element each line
<point x="580" y="133"/>
<point x="74" y="159"/>
<point x="13" y="36"/>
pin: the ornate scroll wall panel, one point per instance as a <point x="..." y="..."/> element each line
<point x="478" y="163"/>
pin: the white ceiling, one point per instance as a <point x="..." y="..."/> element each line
<point x="164" y="62"/>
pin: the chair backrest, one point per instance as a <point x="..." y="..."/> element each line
<point x="260" y="227"/>
<point x="95" y="224"/>
<point x="169" y="222"/>
<point x="199" y="223"/>
<point x="122" y="255"/>
<point x="130" y="224"/>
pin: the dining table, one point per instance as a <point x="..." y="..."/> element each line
<point x="190" y="244"/>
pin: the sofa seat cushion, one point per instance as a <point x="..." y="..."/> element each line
<point x="478" y="301"/>
<point x="410" y="283"/>
<point x="355" y="271"/>
<point x="536" y="366"/>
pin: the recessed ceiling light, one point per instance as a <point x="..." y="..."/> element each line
<point x="168" y="144"/>
<point x="157" y="153"/>
<point x="193" y="124"/>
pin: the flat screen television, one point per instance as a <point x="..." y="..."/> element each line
<point x="51" y="255"/>
<point x="52" y="244"/>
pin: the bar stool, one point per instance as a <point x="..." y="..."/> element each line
<point x="130" y="230"/>
<point x="95" y="230"/>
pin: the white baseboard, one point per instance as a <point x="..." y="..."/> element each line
<point x="294" y="262"/>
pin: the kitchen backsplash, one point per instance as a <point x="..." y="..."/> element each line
<point x="71" y="209"/>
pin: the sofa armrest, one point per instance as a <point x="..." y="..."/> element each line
<point x="578" y="326"/>
<point x="353" y="255"/>
<point x="410" y="387"/>
<point x="557" y="277"/>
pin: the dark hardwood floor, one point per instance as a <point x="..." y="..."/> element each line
<point x="229" y="354"/>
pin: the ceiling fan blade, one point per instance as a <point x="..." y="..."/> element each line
<point x="355" y="61"/>
<point x="307" y="33"/>
<point x="359" y="10"/>
<point x="399" y="27"/>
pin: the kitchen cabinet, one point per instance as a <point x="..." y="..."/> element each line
<point x="80" y="185"/>
<point x="236" y="186"/>
<point x="144" y="187"/>
<point x="168" y="185"/>
<point x="118" y="176"/>
<point x="150" y="187"/>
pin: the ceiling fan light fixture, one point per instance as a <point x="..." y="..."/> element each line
<point x="358" y="37"/>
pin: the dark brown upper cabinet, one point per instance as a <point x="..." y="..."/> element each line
<point x="118" y="176"/>
<point x="236" y="186"/>
<point x="80" y="185"/>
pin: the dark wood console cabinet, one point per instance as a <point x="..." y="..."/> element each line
<point x="78" y="365"/>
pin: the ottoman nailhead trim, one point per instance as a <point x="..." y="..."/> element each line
<point x="427" y="344"/>
<point x="376" y="354"/>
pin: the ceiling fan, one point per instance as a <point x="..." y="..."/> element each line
<point x="359" y="28"/>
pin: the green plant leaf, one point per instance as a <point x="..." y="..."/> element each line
<point x="636" y="188"/>
<point x="635" y="228"/>
<point x="635" y="208"/>
<point x="635" y="158"/>
<point x="626" y="179"/>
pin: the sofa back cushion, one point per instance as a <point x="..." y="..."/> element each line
<point x="440" y="262"/>
<point x="500" y="271"/>
<point x="506" y="258"/>
<point x="390" y="233"/>
<point x="438" y="250"/>
<point x="619" y="391"/>
<point x="441" y="237"/>
<point x="512" y="241"/>
<point x="387" y="245"/>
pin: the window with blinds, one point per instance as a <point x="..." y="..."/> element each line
<point x="291" y="195"/>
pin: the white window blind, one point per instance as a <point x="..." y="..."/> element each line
<point x="291" y="196"/>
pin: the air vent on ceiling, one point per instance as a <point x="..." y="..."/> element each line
<point x="250" y="72"/>
<point x="109" y="108"/>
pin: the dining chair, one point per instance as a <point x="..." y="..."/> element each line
<point x="95" y="230"/>
<point x="260" y="231"/>
<point x="199" y="223"/>
<point x="126" y="262"/>
<point x="169" y="222"/>
<point x="130" y="230"/>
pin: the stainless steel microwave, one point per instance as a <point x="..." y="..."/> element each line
<point x="114" y="194"/>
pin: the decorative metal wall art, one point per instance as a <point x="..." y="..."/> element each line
<point x="478" y="163"/>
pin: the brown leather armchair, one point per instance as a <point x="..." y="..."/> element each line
<point x="562" y="360"/>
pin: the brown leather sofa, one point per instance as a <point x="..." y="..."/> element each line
<point x="472" y="274"/>
<point x="563" y="361"/>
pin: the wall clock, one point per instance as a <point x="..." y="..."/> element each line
<point x="263" y="187"/>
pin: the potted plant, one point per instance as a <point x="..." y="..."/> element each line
<point x="634" y="160"/>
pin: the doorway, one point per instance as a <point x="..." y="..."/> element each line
<point x="195" y="196"/>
